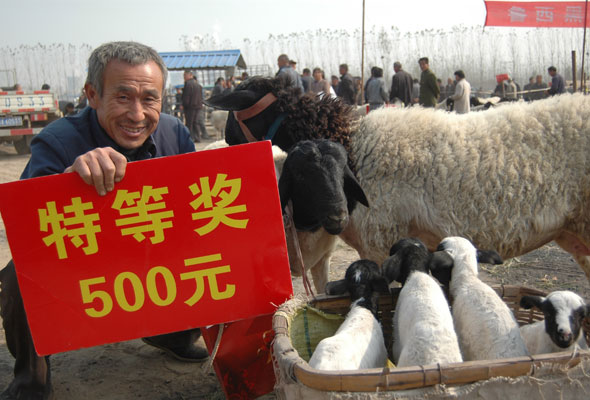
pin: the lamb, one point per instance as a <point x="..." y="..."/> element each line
<point x="423" y="331"/>
<point x="512" y="178"/>
<point x="486" y="327"/>
<point x="562" y="328"/>
<point x="358" y="343"/>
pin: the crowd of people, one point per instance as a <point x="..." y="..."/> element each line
<point x="428" y="91"/>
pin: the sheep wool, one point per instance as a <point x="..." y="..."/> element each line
<point x="509" y="179"/>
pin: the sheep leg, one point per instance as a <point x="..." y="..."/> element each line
<point x="577" y="248"/>
<point x="320" y="273"/>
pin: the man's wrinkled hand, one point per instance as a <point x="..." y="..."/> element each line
<point x="101" y="167"/>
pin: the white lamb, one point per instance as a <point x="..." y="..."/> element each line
<point x="358" y="343"/>
<point x="423" y="331"/>
<point x="485" y="325"/>
<point x="218" y="120"/>
<point x="562" y="328"/>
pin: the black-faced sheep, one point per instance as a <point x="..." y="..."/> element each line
<point x="512" y="178"/>
<point x="423" y="331"/>
<point x="562" y="328"/>
<point x="358" y="343"/>
<point x="485" y="326"/>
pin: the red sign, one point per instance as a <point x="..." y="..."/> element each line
<point x="542" y="14"/>
<point x="182" y="242"/>
<point x="502" y="77"/>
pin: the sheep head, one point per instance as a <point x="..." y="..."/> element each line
<point x="321" y="186"/>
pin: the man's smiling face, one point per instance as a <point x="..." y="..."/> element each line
<point x="129" y="107"/>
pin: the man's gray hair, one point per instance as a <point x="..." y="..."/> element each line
<point x="397" y="64"/>
<point x="130" y="52"/>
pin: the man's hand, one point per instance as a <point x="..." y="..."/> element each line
<point x="101" y="167"/>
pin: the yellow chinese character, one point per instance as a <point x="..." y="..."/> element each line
<point x="75" y="227"/>
<point x="211" y="274"/>
<point x="217" y="213"/>
<point x="145" y="216"/>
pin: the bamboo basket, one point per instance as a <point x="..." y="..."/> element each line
<point x="289" y="366"/>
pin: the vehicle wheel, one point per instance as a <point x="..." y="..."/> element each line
<point x="22" y="146"/>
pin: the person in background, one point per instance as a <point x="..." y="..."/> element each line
<point x="287" y="72"/>
<point x="358" y="84"/>
<point x="557" y="82"/>
<point x="69" y="110"/>
<point x="244" y="76"/>
<point x="306" y="80"/>
<point x="335" y="81"/>
<point x="462" y="94"/>
<point x="401" y="85"/>
<point x="540" y="88"/>
<point x="192" y="104"/>
<point x="346" y="85"/>
<point x="429" y="89"/>
<point x="376" y="93"/>
<point x="319" y="86"/>
<point x="529" y="86"/>
<point x="124" y="86"/>
<point x="45" y="86"/>
<point x="219" y="86"/>
<point x="18" y="87"/>
<point x="450" y="87"/>
<point x="415" y="91"/>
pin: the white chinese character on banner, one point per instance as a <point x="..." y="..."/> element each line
<point x="517" y="14"/>
<point x="574" y="14"/>
<point x="544" y="14"/>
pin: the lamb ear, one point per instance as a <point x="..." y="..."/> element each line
<point x="528" y="302"/>
<point x="353" y="188"/>
<point x="441" y="267"/>
<point x="233" y="101"/>
<point x="489" y="257"/>
<point x="392" y="268"/>
<point x="336" y="287"/>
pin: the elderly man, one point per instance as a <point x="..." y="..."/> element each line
<point x="401" y="85"/>
<point x="123" y="123"/>
<point x="462" y="94"/>
<point x="287" y="72"/>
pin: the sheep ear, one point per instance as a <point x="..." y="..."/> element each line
<point x="284" y="190"/>
<point x="336" y="287"/>
<point x="353" y="188"/>
<point x="441" y="267"/>
<point x="379" y="284"/>
<point x="528" y="302"/>
<point x="392" y="268"/>
<point x="233" y="101"/>
<point x="489" y="257"/>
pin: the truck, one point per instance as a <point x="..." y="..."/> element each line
<point x="24" y="114"/>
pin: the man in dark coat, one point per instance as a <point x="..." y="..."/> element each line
<point x="192" y="104"/>
<point x="429" y="89"/>
<point x="401" y="85"/>
<point x="346" y="86"/>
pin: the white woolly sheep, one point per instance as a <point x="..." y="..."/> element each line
<point x="486" y="327"/>
<point x="358" y="343"/>
<point x="423" y="331"/>
<point x="218" y="120"/>
<point x="562" y="328"/>
<point x="512" y="178"/>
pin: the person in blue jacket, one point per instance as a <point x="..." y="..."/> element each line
<point x="123" y="123"/>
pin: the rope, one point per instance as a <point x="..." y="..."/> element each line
<point x="291" y="225"/>
<point x="209" y="363"/>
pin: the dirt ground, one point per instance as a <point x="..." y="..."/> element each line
<point x="133" y="370"/>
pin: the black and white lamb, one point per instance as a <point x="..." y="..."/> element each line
<point x="485" y="326"/>
<point x="512" y="178"/>
<point x="423" y="331"/>
<point x="562" y="328"/>
<point x="358" y="343"/>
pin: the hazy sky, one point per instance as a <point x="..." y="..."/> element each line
<point x="161" y="23"/>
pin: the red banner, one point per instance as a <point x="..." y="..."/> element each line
<point x="182" y="242"/>
<point x="542" y="14"/>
